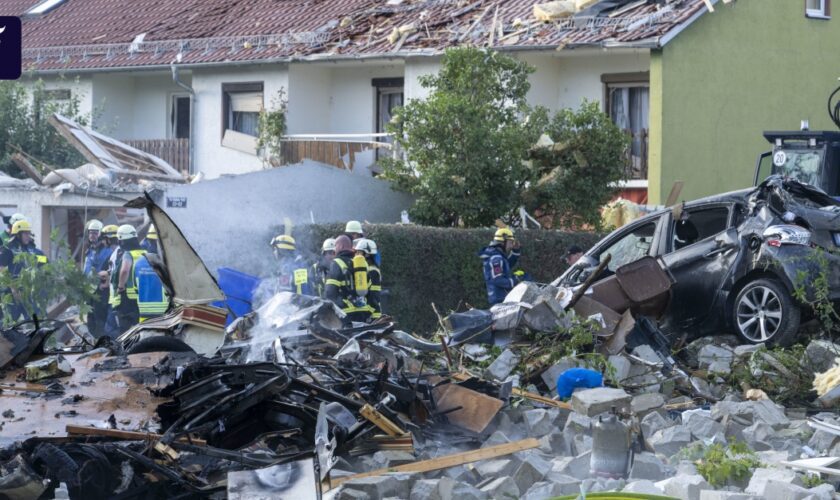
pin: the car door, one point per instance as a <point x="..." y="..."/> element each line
<point x="699" y="265"/>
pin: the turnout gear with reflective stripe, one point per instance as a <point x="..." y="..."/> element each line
<point x="293" y="275"/>
<point x="375" y="292"/>
<point x="9" y="253"/>
<point x="131" y="284"/>
<point x="318" y="277"/>
<point x="340" y="288"/>
<point x="152" y="300"/>
<point x="498" y="275"/>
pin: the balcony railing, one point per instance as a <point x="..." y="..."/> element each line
<point x="176" y="152"/>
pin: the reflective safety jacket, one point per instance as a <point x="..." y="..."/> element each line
<point x="498" y="275"/>
<point x="152" y="300"/>
<point x="293" y="275"/>
<point x="340" y="289"/>
<point x="131" y="284"/>
<point x="374" y="297"/>
<point x="9" y="253"/>
<point x="318" y="277"/>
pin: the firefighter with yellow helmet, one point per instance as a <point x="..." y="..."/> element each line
<point x="150" y="242"/>
<point x="292" y="270"/>
<point x="19" y="253"/>
<point x="498" y="260"/>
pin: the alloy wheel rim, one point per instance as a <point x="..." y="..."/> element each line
<point x="759" y="314"/>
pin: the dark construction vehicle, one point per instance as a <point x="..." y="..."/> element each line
<point x="811" y="157"/>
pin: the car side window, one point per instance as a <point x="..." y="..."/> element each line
<point x="630" y="247"/>
<point x="700" y="224"/>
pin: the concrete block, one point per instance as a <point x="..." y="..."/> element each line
<point x="581" y="444"/>
<point x="568" y="485"/>
<point x="392" y="458"/>
<point x="621" y="365"/>
<point x="502" y="366"/>
<point x="711" y="354"/>
<point x="743" y="351"/>
<point x="703" y="428"/>
<point x="591" y="402"/>
<point x="684" y="487"/>
<point x="555" y="444"/>
<point x="647" y="353"/>
<point x="538" y="422"/>
<point x="821" y="355"/>
<point x="577" y="424"/>
<point x="497" y="437"/>
<point x="646" y="403"/>
<point x="649" y="466"/>
<point x="501" y="488"/>
<point x="726" y="495"/>
<point x="527" y="474"/>
<point x="577" y="467"/>
<point x="432" y="489"/>
<point x="780" y="490"/>
<point x="760" y="482"/>
<point x="373" y="487"/>
<point x="653" y="422"/>
<point x="543" y="490"/>
<point x="464" y="491"/>
<point x="758" y="436"/>
<point x="497" y="467"/>
<point x="823" y="492"/>
<point x="752" y="411"/>
<point x="642" y="486"/>
<point x="671" y="440"/>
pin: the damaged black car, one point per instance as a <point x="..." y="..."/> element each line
<point x="753" y="261"/>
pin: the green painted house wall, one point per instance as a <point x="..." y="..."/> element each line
<point x="750" y="66"/>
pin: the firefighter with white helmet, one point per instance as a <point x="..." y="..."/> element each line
<point x="319" y="270"/>
<point x="123" y="293"/>
<point x="367" y="249"/>
<point x="498" y="260"/>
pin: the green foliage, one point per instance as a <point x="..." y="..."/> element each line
<point x="271" y="128"/>
<point x="421" y="265"/>
<point x="572" y="179"/>
<point x="811" y="481"/>
<point x="578" y="341"/>
<point x="466" y="144"/>
<point x="727" y="465"/>
<point x="812" y="288"/>
<point x="467" y="148"/>
<point x="39" y="285"/>
<point x="24" y="112"/>
<point x="779" y="372"/>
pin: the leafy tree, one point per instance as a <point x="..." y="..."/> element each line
<point x="38" y="285"/>
<point x="24" y="111"/>
<point x="573" y="177"/>
<point x="466" y="143"/>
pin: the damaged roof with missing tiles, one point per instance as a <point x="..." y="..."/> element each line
<point x="90" y="34"/>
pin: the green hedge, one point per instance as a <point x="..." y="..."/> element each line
<point x="421" y="265"/>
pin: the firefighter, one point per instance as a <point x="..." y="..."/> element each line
<point x="150" y="242"/>
<point x="152" y="300"/>
<point x="292" y="269"/>
<point x="6" y="235"/>
<point x="346" y="284"/>
<point x="94" y="246"/>
<point x="367" y="248"/>
<point x="354" y="231"/>
<point x="20" y="243"/>
<point x="98" y="317"/>
<point x="499" y="258"/>
<point x="319" y="270"/>
<point x="123" y="287"/>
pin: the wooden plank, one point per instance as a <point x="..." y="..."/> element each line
<point x="813" y="468"/>
<point x="27" y="167"/>
<point x="447" y="461"/>
<point x="131" y="435"/>
<point x="461" y="376"/>
<point x="676" y="189"/>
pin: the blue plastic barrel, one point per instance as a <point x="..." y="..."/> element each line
<point x="238" y="288"/>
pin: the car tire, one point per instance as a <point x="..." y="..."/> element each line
<point x="159" y="343"/>
<point x="764" y="312"/>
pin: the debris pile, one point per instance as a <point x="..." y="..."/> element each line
<point x="553" y="392"/>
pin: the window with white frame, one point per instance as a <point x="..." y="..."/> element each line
<point x="819" y="9"/>
<point x="627" y="102"/>
<point x="241" y="106"/>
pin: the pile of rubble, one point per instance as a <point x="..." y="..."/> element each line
<point x="553" y="392"/>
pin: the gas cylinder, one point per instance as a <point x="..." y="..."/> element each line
<point x="360" y="275"/>
<point x="612" y="454"/>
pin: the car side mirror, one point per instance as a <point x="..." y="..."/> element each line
<point x="727" y="239"/>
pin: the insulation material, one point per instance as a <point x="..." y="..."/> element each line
<point x="827" y="380"/>
<point x="554" y="10"/>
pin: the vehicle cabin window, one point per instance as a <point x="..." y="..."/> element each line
<point x="631" y="247"/>
<point x="701" y="224"/>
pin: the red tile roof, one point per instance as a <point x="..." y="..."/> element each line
<point x="86" y="34"/>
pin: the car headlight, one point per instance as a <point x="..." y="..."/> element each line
<point x="784" y="234"/>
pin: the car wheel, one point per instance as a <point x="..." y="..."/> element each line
<point x="764" y="312"/>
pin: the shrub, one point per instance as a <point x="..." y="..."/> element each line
<point x="422" y="265"/>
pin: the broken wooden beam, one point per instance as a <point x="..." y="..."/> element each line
<point x="381" y="421"/>
<point x="79" y="430"/>
<point x="446" y="461"/>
